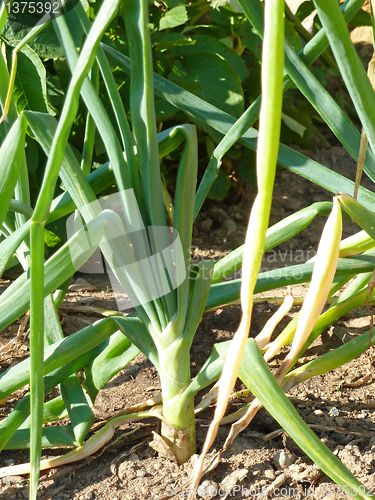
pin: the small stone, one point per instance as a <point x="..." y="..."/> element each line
<point x="334" y="412"/>
<point x="295" y="468"/>
<point x="270" y="474"/>
<point x="8" y="461"/>
<point x="141" y="473"/>
<point x="157" y="466"/>
<point x="208" y="489"/>
<point x="88" y="495"/>
<point x="81" y="285"/>
<point x="318" y="412"/>
<point x="133" y="368"/>
<point x="217" y="214"/>
<point x="206" y="225"/>
<point x="8" y="480"/>
<point x="283" y="460"/>
<point x="134" y="457"/>
<point x="233" y="478"/>
<point x="340" y="422"/>
<point x="87" y="300"/>
<point x="229" y="225"/>
<point x="294" y="204"/>
<point x="279" y="481"/>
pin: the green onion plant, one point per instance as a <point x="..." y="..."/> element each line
<point x="146" y="245"/>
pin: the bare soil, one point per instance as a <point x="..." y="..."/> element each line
<point x="340" y="404"/>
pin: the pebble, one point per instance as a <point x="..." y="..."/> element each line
<point x="229" y="225"/>
<point x="133" y="368"/>
<point x="206" y="225"/>
<point x="279" y="481"/>
<point x="88" y="495"/>
<point x="217" y="214"/>
<point x="81" y="285"/>
<point x="8" y="480"/>
<point x="318" y="412"/>
<point x="334" y="412"/>
<point x="283" y="460"/>
<point x="230" y="480"/>
<point x="141" y="473"/>
<point x="157" y="466"/>
<point x="87" y="300"/>
<point x="9" y="461"/>
<point x="208" y="489"/>
<point x="270" y="474"/>
<point x="134" y="457"/>
<point x="340" y="422"/>
<point x="294" y="204"/>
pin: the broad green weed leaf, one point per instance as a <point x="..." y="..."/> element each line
<point x="208" y="29"/>
<point x="55" y="91"/>
<point x="170" y="41"/>
<point x="362" y="18"/>
<point x="211" y="118"/>
<point x="164" y="110"/>
<point x="45" y="44"/>
<point x="247" y="168"/>
<point x="251" y="40"/>
<point x="219" y="3"/>
<point x="221" y="186"/>
<point x="174" y="17"/>
<point x="209" y="44"/>
<point x="30" y="89"/>
<point x="223" y="91"/>
<point x="304" y="10"/>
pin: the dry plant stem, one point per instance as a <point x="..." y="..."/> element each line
<point x="364" y="140"/>
<point x="321" y="281"/>
<point x="149" y="403"/>
<point x="93" y="310"/>
<point x="268" y="140"/>
<point x="208" y="398"/>
<point x="211" y="398"/>
<point x="324" y="270"/>
<point x="371" y="285"/>
<point x="264" y="336"/>
<point x="91" y="446"/>
<point x="21" y="330"/>
<point x="242" y="423"/>
<point x="360" y="162"/>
